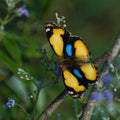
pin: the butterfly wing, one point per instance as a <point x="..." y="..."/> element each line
<point x="73" y="83"/>
<point x="57" y="38"/>
<point x="77" y="78"/>
<point x="65" y="45"/>
<point x="77" y="49"/>
<point x="90" y="72"/>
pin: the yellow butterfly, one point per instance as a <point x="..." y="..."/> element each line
<point x="77" y="71"/>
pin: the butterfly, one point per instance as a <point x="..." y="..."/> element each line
<point x="77" y="71"/>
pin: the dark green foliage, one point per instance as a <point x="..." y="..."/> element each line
<point x="21" y="38"/>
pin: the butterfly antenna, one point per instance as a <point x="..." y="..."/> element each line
<point x="60" y="20"/>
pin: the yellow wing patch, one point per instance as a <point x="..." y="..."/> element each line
<point x="81" y="50"/>
<point x="72" y="82"/>
<point x="57" y="41"/>
<point x="90" y="71"/>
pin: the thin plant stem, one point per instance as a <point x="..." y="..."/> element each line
<point x="26" y="113"/>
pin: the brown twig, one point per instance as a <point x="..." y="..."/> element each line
<point x="54" y="104"/>
<point x="87" y="112"/>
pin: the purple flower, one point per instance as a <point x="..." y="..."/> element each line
<point x="107" y="79"/>
<point x="23" y="11"/>
<point x="108" y="95"/>
<point x="96" y="96"/>
<point x="10" y="103"/>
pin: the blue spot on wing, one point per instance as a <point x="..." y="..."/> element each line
<point x="77" y="73"/>
<point x="69" y="50"/>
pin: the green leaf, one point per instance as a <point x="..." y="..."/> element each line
<point x="10" y="63"/>
<point x="13" y="49"/>
<point x="18" y="87"/>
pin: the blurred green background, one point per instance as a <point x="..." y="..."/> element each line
<point x="96" y="21"/>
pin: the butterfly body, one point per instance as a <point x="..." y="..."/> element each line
<point x="77" y="71"/>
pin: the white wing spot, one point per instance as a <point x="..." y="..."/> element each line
<point x="47" y="29"/>
<point x="70" y="92"/>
